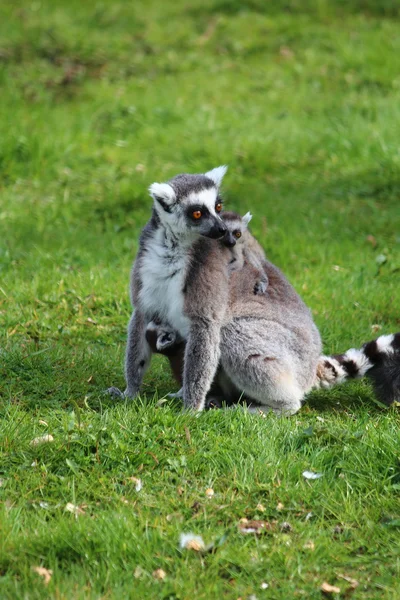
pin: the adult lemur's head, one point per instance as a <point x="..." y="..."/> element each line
<point x="190" y="204"/>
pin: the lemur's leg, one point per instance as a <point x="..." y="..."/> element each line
<point x="258" y="357"/>
<point x="201" y="362"/>
<point x="138" y="354"/>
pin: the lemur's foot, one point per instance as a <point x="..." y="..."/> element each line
<point x="213" y="402"/>
<point x="114" y="392"/>
<point x="177" y="394"/>
<point x="260" y="288"/>
<point x="165" y="340"/>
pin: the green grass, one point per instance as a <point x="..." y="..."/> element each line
<point x="98" y="100"/>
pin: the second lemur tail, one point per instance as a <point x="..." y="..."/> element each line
<point x="379" y="360"/>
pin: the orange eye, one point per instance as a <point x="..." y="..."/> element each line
<point x="238" y="234"/>
<point x="196" y="214"/>
<point x="218" y="207"/>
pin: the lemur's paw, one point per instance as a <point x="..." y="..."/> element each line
<point x="260" y="288"/>
<point x="177" y="394"/>
<point x="165" y="340"/>
<point x="114" y="392"/>
<point x="212" y="402"/>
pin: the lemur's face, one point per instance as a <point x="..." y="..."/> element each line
<point x="236" y="226"/>
<point x="191" y="204"/>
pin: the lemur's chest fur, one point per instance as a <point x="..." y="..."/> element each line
<point x="162" y="273"/>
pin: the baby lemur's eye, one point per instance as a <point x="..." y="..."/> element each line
<point x="218" y="206"/>
<point x="196" y="214"/>
<point x="238" y="234"/>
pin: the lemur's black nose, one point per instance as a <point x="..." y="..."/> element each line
<point x="222" y="228"/>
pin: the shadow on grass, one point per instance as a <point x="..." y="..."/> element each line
<point x="77" y="379"/>
<point x="347" y="399"/>
<point x="340" y="8"/>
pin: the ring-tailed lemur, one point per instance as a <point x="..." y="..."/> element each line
<point x="174" y="245"/>
<point x="267" y="345"/>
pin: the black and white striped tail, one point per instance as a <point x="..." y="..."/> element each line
<point x="379" y="360"/>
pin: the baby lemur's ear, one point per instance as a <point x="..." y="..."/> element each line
<point x="163" y="194"/>
<point x="217" y="174"/>
<point x="247" y="218"/>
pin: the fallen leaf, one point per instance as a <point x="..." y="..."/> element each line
<point x="327" y="588"/>
<point x="309" y="545"/>
<point x="255" y="526"/>
<point x="190" y="541"/>
<point x="43" y="439"/>
<point x="2" y="481"/>
<point x="285" y="526"/>
<point x="209" y="493"/>
<point x="264" y="585"/>
<point x="353" y="582"/>
<point x="260" y="507"/>
<point x="138" y="572"/>
<point x="280" y="506"/>
<point x="375" y="327"/>
<point x="41" y="422"/>
<point x="45" y="573"/>
<point x="137" y="482"/>
<point x="159" y="574"/>
<point x="311" y="475"/>
<point x="371" y="240"/>
<point x="75" y="510"/>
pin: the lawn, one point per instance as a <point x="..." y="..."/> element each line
<point x="301" y="98"/>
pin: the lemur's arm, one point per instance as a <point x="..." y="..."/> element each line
<point x="201" y="362"/>
<point x="206" y="300"/>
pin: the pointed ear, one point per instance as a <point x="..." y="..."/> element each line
<point x="164" y="194"/>
<point x="247" y="218"/>
<point x="217" y="174"/>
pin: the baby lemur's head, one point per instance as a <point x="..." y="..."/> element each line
<point x="189" y="205"/>
<point x="236" y="226"/>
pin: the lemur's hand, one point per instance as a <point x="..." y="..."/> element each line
<point x="116" y="393"/>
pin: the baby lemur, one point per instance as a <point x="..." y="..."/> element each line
<point x="265" y="345"/>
